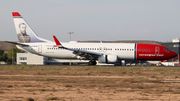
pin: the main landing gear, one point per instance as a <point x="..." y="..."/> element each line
<point x="92" y="62"/>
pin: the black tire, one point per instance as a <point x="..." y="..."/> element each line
<point x="92" y="62"/>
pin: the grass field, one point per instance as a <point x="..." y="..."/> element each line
<point x="89" y="83"/>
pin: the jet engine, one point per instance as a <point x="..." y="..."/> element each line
<point x="108" y="59"/>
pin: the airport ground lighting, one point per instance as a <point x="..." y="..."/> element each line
<point x="70" y="35"/>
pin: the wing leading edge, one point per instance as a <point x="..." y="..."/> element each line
<point x="82" y="53"/>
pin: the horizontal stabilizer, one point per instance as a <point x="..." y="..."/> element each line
<point x="16" y="43"/>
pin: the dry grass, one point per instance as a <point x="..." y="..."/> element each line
<point x="88" y="83"/>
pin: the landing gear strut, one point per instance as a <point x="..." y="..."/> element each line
<point x="92" y="62"/>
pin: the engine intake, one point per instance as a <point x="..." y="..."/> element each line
<point x="108" y="59"/>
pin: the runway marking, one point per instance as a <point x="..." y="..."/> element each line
<point x="171" y="81"/>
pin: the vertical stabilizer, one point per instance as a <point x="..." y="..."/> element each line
<point x="24" y="33"/>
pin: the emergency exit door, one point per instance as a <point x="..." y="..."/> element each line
<point x="40" y="49"/>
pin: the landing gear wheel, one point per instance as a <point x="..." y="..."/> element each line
<point x="92" y="62"/>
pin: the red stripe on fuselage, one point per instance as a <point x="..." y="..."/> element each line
<point x="151" y="52"/>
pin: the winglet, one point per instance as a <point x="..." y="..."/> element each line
<point x="57" y="41"/>
<point x="16" y="14"/>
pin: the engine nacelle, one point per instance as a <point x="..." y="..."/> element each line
<point x="108" y="59"/>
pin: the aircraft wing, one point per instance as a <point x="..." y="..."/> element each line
<point x="82" y="53"/>
<point x="17" y="43"/>
<point x="85" y="54"/>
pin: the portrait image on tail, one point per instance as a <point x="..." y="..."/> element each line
<point x="23" y="37"/>
<point x="24" y="32"/>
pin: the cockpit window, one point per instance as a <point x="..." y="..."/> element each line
<point x="166" y="49"/>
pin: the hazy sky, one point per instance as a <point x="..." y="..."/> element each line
<point x="94" y="19"/>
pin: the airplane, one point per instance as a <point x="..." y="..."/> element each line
<point x="109" y="53"/>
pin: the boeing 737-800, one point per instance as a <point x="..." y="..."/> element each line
<point x="101" y="52"/>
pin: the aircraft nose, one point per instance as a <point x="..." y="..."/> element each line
<point x="173" y="54"/>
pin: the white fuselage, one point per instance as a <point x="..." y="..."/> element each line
<point x="50" y="50"/>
